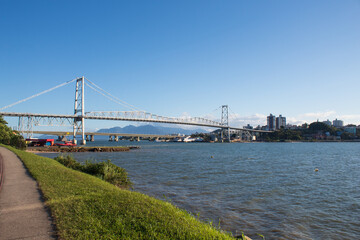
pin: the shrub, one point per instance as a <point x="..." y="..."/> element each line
<point x="69" y="161"/>
<point x="115" y="174"/>
<point x="106" y="171"/>
<point x="18" y="142"/>
<point x="10" y="137"/>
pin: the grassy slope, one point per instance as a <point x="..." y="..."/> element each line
<point x="85" y="207"/>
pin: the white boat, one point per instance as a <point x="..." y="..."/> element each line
<point x="189" y="139"/>
<point x="178" y="139"/>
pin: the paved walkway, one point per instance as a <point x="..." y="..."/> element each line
<point x="22" y="211"/>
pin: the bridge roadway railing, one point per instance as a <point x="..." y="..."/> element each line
<point x="131" y="116"/>
<point x="122" y="116"/>
<point x="149" y="117"/>
<point x="62" y="133"/>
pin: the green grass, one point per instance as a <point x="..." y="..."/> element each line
<point x="86" y="207"/>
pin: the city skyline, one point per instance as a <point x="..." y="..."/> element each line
<point x="299" y="59"/>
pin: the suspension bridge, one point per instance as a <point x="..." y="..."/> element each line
<point x="77" y="120"/>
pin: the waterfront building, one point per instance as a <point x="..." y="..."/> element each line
<point x="351" y="130"/>
<point x="280" y="122"/>
<point x="327" y="122"/>
<point x="265" y="128"/>
<point x="338" y="123"/>
<point x="292" y="127"/>
<point x="271" y="122"/>
<point x="248" y="127"/>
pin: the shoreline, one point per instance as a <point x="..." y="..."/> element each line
<point x="56" y="149"/>
<point x="98" y="202"/>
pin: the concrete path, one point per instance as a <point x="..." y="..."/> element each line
<point x="22" y="210"/>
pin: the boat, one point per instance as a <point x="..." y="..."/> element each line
<point x="66" y="144"/>
<point x="189" y="139"/>
<point x="177" y="139"/>
<point x="36" y="142"/>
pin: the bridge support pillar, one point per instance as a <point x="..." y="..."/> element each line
<point x="110" y="138"/>
<point x="229" y="136"/>
<point x="225" y="122"/>
<point x="116" y="138"/>
<point x="138" y="139"/>
<point x="87" y="138"/>
<point x="92" y="138"/>
<point x="79" y="111"/>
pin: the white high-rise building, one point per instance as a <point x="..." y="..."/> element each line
<point x="280" y="122"/>
<point x="271" y="119"/>
<point x="338" y="123"/>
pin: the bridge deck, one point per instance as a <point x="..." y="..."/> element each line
<point x="61" y="133"/>
<point x="168" y="120"/>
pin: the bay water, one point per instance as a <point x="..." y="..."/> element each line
<point x="268" y="188"/>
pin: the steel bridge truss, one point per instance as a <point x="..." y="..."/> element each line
<point x="225" y="133"/>
<point x="26" y="123"/>
<point x="149" y="117"/>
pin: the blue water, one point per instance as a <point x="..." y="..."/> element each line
<point x="266" y="188"/>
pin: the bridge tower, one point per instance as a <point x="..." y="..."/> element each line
<point x="225" y="122"/>
<point x="79" y="121"/>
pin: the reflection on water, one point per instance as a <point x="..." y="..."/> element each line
<point x="267" y="188"/>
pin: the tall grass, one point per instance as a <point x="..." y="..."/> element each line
<point x="106" y="171"/>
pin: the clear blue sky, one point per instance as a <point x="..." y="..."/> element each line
<point x="300" y="59"/>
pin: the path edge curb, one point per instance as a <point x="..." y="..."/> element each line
<point x="1" y="171"/>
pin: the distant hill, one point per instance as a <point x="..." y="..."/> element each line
<point x="144" y="129"/>
<point x="150" y="129"/>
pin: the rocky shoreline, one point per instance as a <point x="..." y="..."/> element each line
<point x="79" y="149"/>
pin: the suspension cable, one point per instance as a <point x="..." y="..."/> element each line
<point x="108" y="97"/>
<point x="115" y="99"/>
<point x="111" y="98"/>
<point x="209" y="113"/>
<point x="36" y="95"/>
<point x="231" y="111"/>
<point x="107" y="93"/>
<point x="233" y="117"/>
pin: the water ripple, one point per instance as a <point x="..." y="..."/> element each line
<point x="267" y="188"/>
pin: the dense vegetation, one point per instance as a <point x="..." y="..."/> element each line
<point x="10" y="137"/>
<point x="86" y="207"/>
<point x="321" y="127"/>
<point x="106" y="171"/>
<point x="313" y="131"/>
<point x="284" y="134"/>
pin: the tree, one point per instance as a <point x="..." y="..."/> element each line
<point x="320" y="126"/>
<point x="10" y="137"/>
<point x="347" y="136"/>
<point x="2" y="121"/>
<point x="283" y="135"/>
